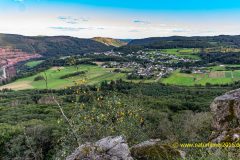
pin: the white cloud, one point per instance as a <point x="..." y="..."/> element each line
<point x="72" y="20"/>
<point x="141" y="22"/>
<point x="68" y="28"/>
<point x="179" y="30"/>
<point x="134" y="30"/>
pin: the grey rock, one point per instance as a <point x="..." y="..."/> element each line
<point x="109" y="148"/>
<point x="46" y="100"/>
<point x="155" y="150"/>
<point x="226" y="117"/>
<point x="109" y="142"/>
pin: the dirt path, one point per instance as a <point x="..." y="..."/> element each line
<point x="57" y="68"/>
<point x="158" y="79"/>
<point x="4" y="72"/>
<point x="18" y="85"/>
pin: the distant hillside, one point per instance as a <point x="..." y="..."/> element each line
<point x="110" y="41"/>
<point x="52" y="46"/>
<point x="187" y="42"/>
<point x="126" y="40"/>
<point x="224" y="41"/>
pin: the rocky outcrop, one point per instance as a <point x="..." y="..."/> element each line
<point x="226" y="117"/>
<point x="15" y="103"/>
<point x="109" y="148"/>
<point x="154" y="150"/>
<point x="8" y="73"/>
<point x="47" y="100"/>
<point x="116" y="148"/>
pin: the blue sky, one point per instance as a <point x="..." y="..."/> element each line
<point x="120" y="18"/>
<point x="162" y="4"/>
<point x="174" y="5"/>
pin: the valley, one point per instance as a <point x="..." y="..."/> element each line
<point x="103" y="90"/>
<point x="119" y="80"/>
<point x="181" y="66"/>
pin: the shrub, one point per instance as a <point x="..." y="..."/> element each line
<point x="72" y="74"/>
<point x="39" y="78"/>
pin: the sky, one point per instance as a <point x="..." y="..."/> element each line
<point x="126" y="19"/>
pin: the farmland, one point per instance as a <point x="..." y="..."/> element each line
<point x="211" y="77"/>
<point x="191" y="53"/>
<point x="93" y="75"/>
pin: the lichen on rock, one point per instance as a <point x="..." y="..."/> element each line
<point x="116" y="148"/>
<point x="226" y="117"/>
<point x="155" y="150"/>
<point x="109" y="148"/>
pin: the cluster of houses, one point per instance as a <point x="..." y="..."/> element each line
<point x="153" y="71"/>
<point x="153" y="63"/>
<point x="109" y="53"/>
<point x="148" y="70"/>
<point x="120" y="65"/>
<point x="158" y="57"/>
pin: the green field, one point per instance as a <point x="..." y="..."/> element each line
<point x="33" y="63"/>
<point x="213" y="77"/>
<point x="191" y="53"/>
<point x="93" y="75"/>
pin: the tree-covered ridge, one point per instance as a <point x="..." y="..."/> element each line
<point x="52" y="46"/>
<point x="186" y="42"/>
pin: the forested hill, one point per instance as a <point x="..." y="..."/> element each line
<point x="187" y="42"/>
<point x="65" y="45"/>
<point x="52" y="46"/>
<point x="110" y="41"/>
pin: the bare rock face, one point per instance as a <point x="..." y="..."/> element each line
<point x="46" y="100"/>
<point x="226" y="117"/>
<point x="15" y="103"/>
<point x="154" y="150"/>
<point x="109" y="148"/>
<point x="116" y="148"/>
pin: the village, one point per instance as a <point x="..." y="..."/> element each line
<point x="143" y="64"/>
<point x="146" y="64"/>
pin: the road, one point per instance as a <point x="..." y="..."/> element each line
<point x="4" y="75"/>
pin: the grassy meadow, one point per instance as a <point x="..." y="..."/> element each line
<point x="210" y="77"/>
<point x="33" y="63"/>
<point x="93" y="75"/>
<point x="191" y="53"/>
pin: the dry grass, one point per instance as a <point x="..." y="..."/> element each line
<point x="18" y="85"/>
<point x="217" y="74"/>
<point x="99" y="63"/>
<point x="57" y="68"/>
